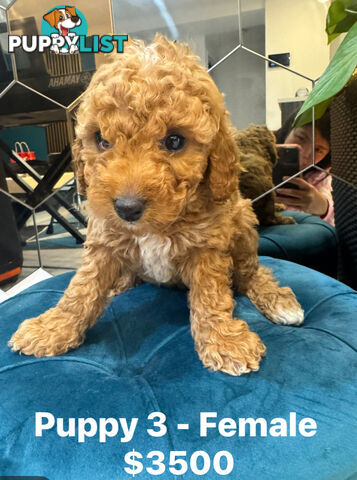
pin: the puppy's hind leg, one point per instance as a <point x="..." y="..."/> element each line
<point x="279" y="304"/>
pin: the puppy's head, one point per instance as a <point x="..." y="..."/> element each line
<point x="258" y="140"/>
<point x="152" y="128"/>
<point x="64" y="16"/>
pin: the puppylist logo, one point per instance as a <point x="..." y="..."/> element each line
<point x="64" y="31"/>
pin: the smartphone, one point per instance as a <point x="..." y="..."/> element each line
<point x="288" y="164"/>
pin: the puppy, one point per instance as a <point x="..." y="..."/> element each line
<point x="156" y="155"/>
<point x="258" y="156"/>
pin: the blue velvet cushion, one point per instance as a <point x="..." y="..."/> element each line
<point x="139" y="358"/>
<point x="311" y="242"/>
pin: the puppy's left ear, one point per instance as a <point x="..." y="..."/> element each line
<point x="79" y="166"/>
<point x="223" y="163"/>
<point x="267" y="140"/>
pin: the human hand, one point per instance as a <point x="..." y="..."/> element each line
<point x="306" y="198"/>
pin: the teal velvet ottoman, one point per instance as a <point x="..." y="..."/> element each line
<point x="312" y="242"/>
<point x="92" y="413"/>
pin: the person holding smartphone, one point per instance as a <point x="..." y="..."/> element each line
<point x="313" y="190"/>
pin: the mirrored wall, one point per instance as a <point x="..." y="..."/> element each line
<point x="265" y="55"/>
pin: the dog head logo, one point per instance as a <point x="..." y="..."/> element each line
<point x="63" y="19"/>
<point x="67" y="22"/>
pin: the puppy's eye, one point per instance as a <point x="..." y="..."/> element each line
<point x="61" y="17"/>
<point x="101" y="143"/>
<point x="173" y="142"/>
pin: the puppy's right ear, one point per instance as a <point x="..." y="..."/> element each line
<point x="51" y="17"/>
<point x="79" y="166"/>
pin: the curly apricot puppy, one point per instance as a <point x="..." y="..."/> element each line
<point x="156" y="156"/>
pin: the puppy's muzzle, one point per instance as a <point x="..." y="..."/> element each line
<point x="129" y="209"/>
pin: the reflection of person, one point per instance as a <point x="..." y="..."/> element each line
<point x="314" y="192"/>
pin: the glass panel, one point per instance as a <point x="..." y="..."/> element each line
<point x="21" y="106"/>
<point x="40" y="190"/>
<point x="6" y="72"/>
<point x="285" y="93"/>
<point x="59" y="249"/>
<point x="298" y="28"/>
<point x="252" y="17"/>
<point x="60" y="77"/>
<point x="241" y="77"/>
<point x="188" y="20"/>
<point x="5" y="3"/>
<point x="61" y="232"/>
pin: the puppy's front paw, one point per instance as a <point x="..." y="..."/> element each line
<point x="232" y="349"/>
<point x="50" y="334"/>
<point x="286" y="310"/>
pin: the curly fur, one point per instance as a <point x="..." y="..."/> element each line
<point x="196" y="230"/>
<point x="258" y="156"/>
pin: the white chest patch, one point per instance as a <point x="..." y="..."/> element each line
<point x="155" y="257"/>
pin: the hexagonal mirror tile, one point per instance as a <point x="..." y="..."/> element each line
<point x="67" y="229"/>
<point x="5" y="3"/>
<point x="241" y="77"/>
<point x="22" y="106"/>
<point x="252" y="24"/>
<point x="255" y="93"/>
<point x="61" y="77"/>
<point x="297" y="29"/>
<point x="187" y="20"/>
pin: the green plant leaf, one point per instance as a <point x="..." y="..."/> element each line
<point x="345" y="24"/>
<point x="340" y="17"/>
<point x="333" y="36"/>
<point x="334" y="78"/>
<point x="335" y="14"/>
<point x="306" y="117"/>
<point x="352" y="5"/>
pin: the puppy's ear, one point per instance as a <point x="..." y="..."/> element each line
<point x="79" y="166"/>
<point x="223" y="163"/>
<point x="267" y="140"/>
<point x="51" y="17"/>
<point x="72" y="11"/>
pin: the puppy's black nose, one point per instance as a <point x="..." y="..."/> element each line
<point x="129" y="208"/>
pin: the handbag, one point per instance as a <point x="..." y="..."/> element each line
<point x="23" y="150"/>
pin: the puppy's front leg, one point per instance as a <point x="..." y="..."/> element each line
<point x="222" y="342"/>
<point x="63" y="327"/>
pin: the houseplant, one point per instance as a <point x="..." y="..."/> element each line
<point x="341" y="17"/>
